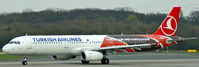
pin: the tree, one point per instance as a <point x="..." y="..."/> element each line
<point x="132" y="19"/>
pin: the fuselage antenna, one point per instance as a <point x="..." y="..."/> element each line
<point x="26" y="34"/>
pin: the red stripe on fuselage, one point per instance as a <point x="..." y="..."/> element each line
<point x="109" y="41"/>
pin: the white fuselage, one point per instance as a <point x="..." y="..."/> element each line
<point x="53" y="45"/>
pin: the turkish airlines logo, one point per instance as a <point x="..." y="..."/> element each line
<point x="169" y="26"/>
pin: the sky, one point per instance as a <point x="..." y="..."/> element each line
<point x="142" y="6"/>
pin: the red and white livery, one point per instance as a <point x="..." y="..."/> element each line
<point x="95" y="47"/>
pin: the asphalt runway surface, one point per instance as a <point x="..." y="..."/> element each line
<point x="132" y="60"/>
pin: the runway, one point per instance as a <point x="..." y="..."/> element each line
<point x="132" y="60"/>
<point x="114" y="63"/>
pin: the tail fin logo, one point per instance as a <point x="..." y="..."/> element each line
<point x="169" y="26"/>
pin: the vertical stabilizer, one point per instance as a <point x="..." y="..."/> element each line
<point x="169" y="25"/>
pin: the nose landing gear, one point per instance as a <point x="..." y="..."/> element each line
<point x="25" y="62"/>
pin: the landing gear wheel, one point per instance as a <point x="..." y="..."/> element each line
<point x="105" y="61"/>
<point x="24" y="62"/>
<point x="85" y="62"/>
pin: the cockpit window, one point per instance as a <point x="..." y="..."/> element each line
<point x="14" y="42"/>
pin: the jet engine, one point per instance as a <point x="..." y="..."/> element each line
<point x="63" y="57"/>
<point x="91" y="55"/>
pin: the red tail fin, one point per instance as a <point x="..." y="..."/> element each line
<point x="169" y="25"/>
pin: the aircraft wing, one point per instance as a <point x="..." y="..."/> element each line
<point x="137" y="46"/>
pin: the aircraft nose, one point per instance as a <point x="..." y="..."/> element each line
<point x="6" y="49"/>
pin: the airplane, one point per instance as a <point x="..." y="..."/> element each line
<point x="95" y="47"/>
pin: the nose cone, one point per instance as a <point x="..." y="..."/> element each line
<point x="6" y="49"/>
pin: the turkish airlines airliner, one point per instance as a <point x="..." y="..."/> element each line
<point x="95" y="47"/>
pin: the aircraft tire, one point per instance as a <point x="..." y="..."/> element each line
<point x="105" y="61"/>
<point x="24" y="62"/>
<point x="85" y="62"/>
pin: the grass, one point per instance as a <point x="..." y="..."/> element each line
<point x="197" y="53"/>
<point x="7" y="56"/>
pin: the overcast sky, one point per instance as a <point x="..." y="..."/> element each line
<point x="143" y="6"/>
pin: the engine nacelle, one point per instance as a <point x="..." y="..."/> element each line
<point x="63" y="57"/>
<point x="91" y="55"/>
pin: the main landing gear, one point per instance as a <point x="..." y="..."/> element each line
<point x="25" y="62"/>
<point x="103" y="61"/>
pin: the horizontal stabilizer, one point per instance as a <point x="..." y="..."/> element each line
<point x="182" y="39"/>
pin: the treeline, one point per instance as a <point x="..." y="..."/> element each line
<point x="92" y="21"/>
